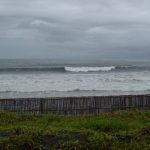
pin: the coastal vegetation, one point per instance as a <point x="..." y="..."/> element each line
<point x="122" y="130"/>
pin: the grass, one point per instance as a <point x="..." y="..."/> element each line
<point x="122" y="130"/>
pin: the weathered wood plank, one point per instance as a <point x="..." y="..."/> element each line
<point x="75" y="105"/>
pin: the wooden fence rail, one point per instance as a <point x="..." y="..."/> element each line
<point x="75" y="105"/>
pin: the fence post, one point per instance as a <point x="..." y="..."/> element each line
<point x="41" y="106"/>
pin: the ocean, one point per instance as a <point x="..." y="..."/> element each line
<point x="22" y="78"/>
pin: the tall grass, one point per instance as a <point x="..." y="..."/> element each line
<point x="119" y="130"/>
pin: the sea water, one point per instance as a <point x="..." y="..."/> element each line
<point x="47" y="78"/>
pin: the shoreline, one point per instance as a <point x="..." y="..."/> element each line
<point x="62" y="94"/>
<point x="61" y="97"/>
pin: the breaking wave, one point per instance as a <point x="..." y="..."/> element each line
<point x="89" y="69"/>
<point x="74" y="69"/>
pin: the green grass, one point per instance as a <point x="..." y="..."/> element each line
<point x="122" y="130"/>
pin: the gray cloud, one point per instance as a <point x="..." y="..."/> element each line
<point x="64" y="28"/>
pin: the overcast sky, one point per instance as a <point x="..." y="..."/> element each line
<point x="75" y="29"/>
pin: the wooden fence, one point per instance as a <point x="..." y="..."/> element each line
<point x="75" y="105"/>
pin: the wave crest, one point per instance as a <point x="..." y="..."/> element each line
<point x="89" y="69"/>
<point x="74" y="69"/>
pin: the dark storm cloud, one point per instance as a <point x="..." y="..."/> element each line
<point x="67" y="28"/>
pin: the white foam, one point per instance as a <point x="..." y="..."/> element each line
<point x="89" y="69"/>
<point x="45" y="82"/>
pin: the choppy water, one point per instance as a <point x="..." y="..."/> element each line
<point x="43" y="78"/>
